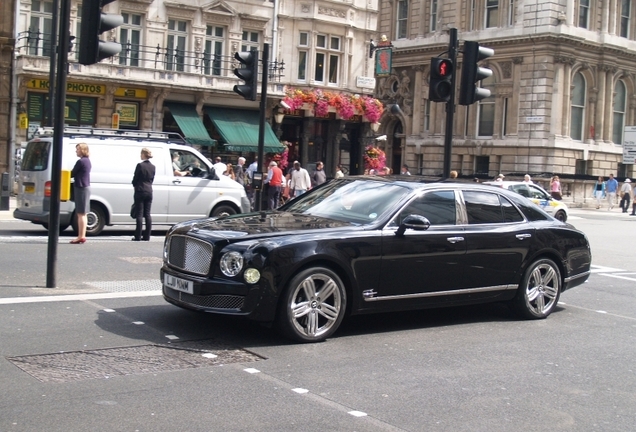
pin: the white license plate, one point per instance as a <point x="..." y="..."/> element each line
<point x="178" y="284"/>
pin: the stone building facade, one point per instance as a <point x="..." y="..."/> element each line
<point x="563" y="88"/>
<point x="7" y="42"/>
<point x="178" y="62"/>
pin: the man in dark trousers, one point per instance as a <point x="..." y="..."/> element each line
<point x="142" y="182"/>
<point x="275" y="181"/>
<point x="319" y="176"/>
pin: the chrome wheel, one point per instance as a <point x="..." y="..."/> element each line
<point x="314" y="305"/>
<point x="540" y="289"/>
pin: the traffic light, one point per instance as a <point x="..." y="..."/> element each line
<point x="469" y="89"/>
<point x="94" y="23"/>
<point x="440" y="87"/>
<point x="248" y="73"/>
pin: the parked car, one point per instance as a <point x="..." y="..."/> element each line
<point x="114" y="155"/>
<point x="373" y="244"/>
<point x="537" y="195"/>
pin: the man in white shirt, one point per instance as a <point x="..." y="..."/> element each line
<point x="300" y="180"/>
<point x="219" y="167"/>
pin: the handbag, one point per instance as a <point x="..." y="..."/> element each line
<point x="133" y="211"/>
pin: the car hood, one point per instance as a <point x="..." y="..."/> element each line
<point x="260" y="225"/>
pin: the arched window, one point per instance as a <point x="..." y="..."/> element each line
<point x="486" y="113"/>
<point x="619" y="112"/>
<point x="577" y="110"/>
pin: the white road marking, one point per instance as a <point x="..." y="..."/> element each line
<point x="78" y="297"/>
<point x="251" y="370"/>
<point x="619" y="276"/>
<point x="357" y="413"/>
<point x="603" y="269"/>
<point x="108" y="310"/>
<point x="300" y="390"/>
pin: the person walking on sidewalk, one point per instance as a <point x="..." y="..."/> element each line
<point x="626" y="195"/>
<point x="611" y="187"/>
<point x="599" y="192"/>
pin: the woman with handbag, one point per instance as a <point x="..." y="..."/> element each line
<point x="142" y="182"/>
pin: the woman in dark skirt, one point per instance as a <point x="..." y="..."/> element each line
<point x="142" y="182"/>
<point x="81" y="188"/>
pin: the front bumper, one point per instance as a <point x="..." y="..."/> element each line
<point x="219" y="296"/>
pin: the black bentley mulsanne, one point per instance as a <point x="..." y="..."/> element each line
<point x="374" y="244"/>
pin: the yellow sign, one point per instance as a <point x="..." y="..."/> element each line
<point x="115" y="122"/>
<point x="131" y="93"/>
<point x="23" y="120"/>
<point x="71" y="87"/>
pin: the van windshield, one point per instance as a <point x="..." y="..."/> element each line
<point x="36" y="156"/>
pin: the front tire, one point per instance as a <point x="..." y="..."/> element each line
<point x="539" y="291"/>
<point x="313" y="305"/>
<point x="223" y="210"/>
<point x="560" y="215"/>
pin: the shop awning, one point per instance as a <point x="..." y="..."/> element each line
<point x="190" y="124"/>
<point x="239" y="130"/>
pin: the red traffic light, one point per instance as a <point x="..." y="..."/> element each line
<point x="444" y="68"/>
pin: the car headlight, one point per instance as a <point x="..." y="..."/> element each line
<point x="231" y="263"/>
<point x="252" y="275"/>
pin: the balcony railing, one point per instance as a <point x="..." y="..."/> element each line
<point x="142" y="56"/>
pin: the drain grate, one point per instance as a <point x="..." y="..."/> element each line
<point x="111" y="362"/>
<point x="128" y="285"/>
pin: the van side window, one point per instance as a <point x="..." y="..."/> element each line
<point x="36" y="156"/>
<point x="192" y="164"/>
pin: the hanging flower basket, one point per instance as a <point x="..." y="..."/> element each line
<point x="374" y="158"/>
<point x="345" y="105"/>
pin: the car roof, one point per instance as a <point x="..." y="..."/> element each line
<point x="426" y="182"/>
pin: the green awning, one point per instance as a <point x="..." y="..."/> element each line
<point x="239" y="130"/>
<point x="190" y="124"/>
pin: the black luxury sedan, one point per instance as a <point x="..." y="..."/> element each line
<point x="374" y="244"/>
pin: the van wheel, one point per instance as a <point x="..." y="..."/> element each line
<point x="95" y="221"/>
<point x="223" y="210"/>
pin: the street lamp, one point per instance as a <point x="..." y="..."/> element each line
<point x="279" y="116"/>
<point x="375" y="126"/>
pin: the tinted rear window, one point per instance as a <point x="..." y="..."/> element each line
<point x="36" y="156"/>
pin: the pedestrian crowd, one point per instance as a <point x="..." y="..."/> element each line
<point x="608" y="189"/>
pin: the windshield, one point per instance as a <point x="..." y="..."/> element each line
<point x="355" y="201"/>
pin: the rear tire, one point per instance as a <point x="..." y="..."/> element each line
<point x="539" y="291"/>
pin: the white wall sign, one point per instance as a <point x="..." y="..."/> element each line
<point x="365" y="82"/>
<point x="534" y="119"/>
<point x="629" y="145"/>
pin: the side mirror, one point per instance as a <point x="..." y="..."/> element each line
<point x="414" y="222"/>
<point x="212" y="175"/>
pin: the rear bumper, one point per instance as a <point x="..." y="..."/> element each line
<point x="41" y="218"/>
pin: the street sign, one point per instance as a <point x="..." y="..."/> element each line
<point x="629" y="145"/>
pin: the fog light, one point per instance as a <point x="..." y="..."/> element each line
<point x="231" y="263"/>
<point x="252" y="275"/>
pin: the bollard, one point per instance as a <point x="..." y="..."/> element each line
<point x="5" y="193"/>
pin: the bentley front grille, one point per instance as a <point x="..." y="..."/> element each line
<point x="190" y="254"/>
<point x="215" y="301"/>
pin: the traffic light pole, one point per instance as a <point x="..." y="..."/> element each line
<point x="58" y="136"/>
<point x="450" y="106"/>
<point x="261" y="124"/>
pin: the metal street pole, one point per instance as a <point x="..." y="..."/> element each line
<point x="58" y="135"/>
<point x="450" y="105"/>
<point x="53" y="60"/>
<point x="261" y="123"/>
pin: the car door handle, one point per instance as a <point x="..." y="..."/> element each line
<point x="523" y="236"/>
<point x="176" y="181"/>
<point x="455" y="239"/>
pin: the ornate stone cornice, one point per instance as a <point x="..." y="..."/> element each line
<point x="333" y="12"/>
<point x="558" y="58"/>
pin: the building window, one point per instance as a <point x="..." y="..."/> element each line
<point x="250" y="41"/>
<point x="214" y="50"/>
<point x="486" y="111"/>
<point x="625" y="14"/>
<point x="402" y="18"/>
<point x="482" y="164"/>
<point x="433" y="15"/>
<point x="580" y="167"/>
<point x="40" y="28"/>
<point x="511" y="13"/>
<point x="492" y="13"/>
<point x="584" y="13"/>
<point x="130" y="39"/>
<point x="504" y="120"/>
<point x="303" y="52"/>
<point x="471" y="23"/>
<point x="578" y="107"/>
<point x="78" y="31"/>
<point x="619" y="112"/>
<point x="327" y="66"/>
<point x="427" y="115"/>
<point x="176" y="45"/>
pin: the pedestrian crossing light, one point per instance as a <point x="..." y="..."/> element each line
<point x="248" y="72"/>
<point x="94" y="22"/>
<point x="440" y="86"/>
<point x="469" y="90"/>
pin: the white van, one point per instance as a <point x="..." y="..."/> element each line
<point x="114" y="155"/>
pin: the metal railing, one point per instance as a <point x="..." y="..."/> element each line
<point x="174" y="59"/>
